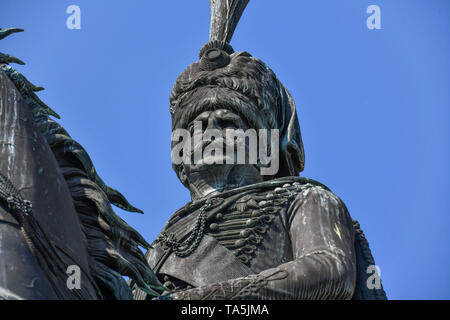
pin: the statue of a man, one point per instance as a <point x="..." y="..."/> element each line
<point x="248" y="235"/>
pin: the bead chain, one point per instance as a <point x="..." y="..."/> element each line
<point x="188" y="246"/>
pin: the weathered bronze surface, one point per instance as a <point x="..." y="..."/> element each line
<point x="244" y="235"/>
<point x="247" y="236"/>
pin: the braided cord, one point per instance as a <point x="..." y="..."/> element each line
<point x="187" y="247"/>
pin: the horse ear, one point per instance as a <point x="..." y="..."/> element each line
<point x="291" y="144"/>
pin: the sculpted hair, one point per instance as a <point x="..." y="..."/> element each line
<point x="247" y="86"/>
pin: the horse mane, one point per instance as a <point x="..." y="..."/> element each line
<point x="112" y="245"/>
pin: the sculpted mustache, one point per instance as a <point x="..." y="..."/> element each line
<point x="224" y="143"/>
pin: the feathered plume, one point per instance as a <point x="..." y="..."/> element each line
<point x="225" y="15"/>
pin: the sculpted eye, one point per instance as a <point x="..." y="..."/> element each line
<point x="191" y="127"/>
<point x="228" y="123"/>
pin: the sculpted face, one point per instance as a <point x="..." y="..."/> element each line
<point x="209" y="131"/>
<point x="217" y="137"/>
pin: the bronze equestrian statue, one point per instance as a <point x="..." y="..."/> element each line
<point x="244" y="235"/>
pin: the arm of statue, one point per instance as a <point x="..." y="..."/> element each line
<point x="324" y="264"/>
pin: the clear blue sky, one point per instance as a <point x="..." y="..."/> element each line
<point x="373" y="106"/>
